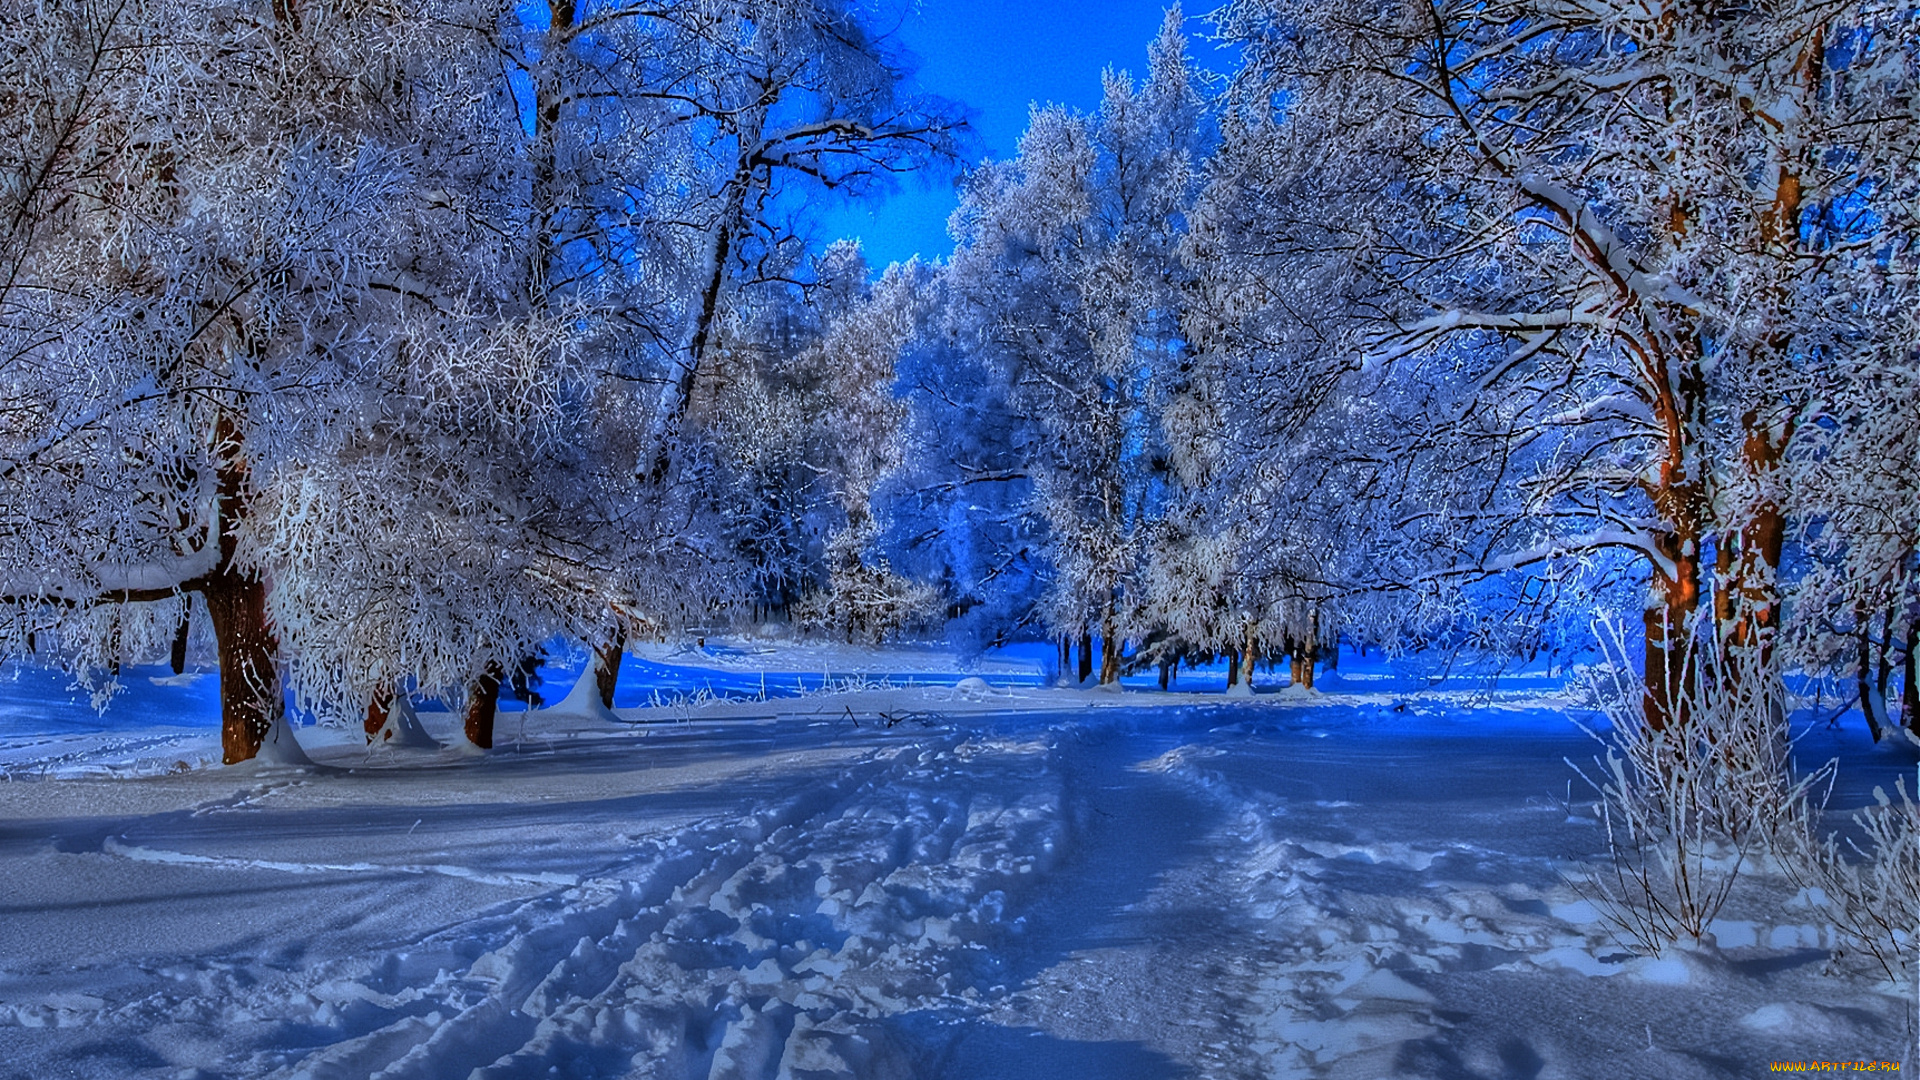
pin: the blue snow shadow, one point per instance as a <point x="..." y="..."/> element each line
<point x="647" y="682"/>
<point x="972" y="1049"/>
<point x="1139" y="826"/>
<point x="47" y="701"/>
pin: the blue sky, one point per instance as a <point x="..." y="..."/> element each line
<point x="998" y="57"/>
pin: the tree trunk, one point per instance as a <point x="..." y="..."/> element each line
<point x="1233" y="668"/>
<point x="177" y="657"/>
<point x="1864" y="677"/>
<point x="676" y="393"/>
<point x="483" y="701"/>
<point x="250" y="698"/>
<point x="1166" y="668"/>
<point x="548" y="101"/>
<point x="1746" y="603"/>
<point x="1883" y="673"/>
<point x="606" y="663"/>
<point x="1249" y="653"/>
<point x="1310" y="649"/>
<point x="1909" y="690"/>
<point x="1670" y="362"/>
<point x="1749" y="620"/>
<point x="1669" y="654"/>
<point x="1086" y="655"/>
<point x="1295" y="676"/>
<point x="1109" y="649"/>
<point x="377" y="708"/>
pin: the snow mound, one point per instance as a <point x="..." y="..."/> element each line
<point x="403" y="729"/>
<point x="1802" y="1020"/>
<point x="975" y="688"/>
<point x="1178" y="759"/>
<point x="280" y="748"/>
<point x="583" y="701"/>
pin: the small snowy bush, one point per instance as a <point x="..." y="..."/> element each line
<point x="1873" y="895"/>
<point x="1689" y="807"/>
<point x="868" y="603"/>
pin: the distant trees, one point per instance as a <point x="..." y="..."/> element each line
<point x="800" y="414"/>
<point x="1066" y="280"/>
<point x="1465" y="291"/>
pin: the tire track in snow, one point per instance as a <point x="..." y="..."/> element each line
<point x="1141" y="962"/>
<point x="113" y="845"/>
<point x="776" y="942"/>
<point x="1337" y="936"/>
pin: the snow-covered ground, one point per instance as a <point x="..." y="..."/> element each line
<point x="938" y="870"/>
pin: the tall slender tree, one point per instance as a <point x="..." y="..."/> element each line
<point x="1066" y="273"/>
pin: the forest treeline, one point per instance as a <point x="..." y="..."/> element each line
<point x="366" y="347"/>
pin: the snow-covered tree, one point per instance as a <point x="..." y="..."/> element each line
<point x="200" y="193"/>
<point x="1261" y="433"/>
<point x="855" y="362"/>
<point x="1613" y="223"/>
<point x="958" y="508"/>
<point x="353" y="322"/>
<point x="1853" y="481"/>
<point x="782" y="99"/>
<point x="1066" y="275"/>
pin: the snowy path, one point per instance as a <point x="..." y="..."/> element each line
<point x="1230" y="892"/>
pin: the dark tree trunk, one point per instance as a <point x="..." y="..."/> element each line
<point x="1086" y="656"/>
<point x="1233" y="668"/>
<point x="177" y="659"/>
<point x="1669" y="654"/>
<point x="1310" y="649"/>
<point x="483" y="701"/>
<point x="1909" y="689"/>
<point x="606" y="663"/>
<point x="377" y="708"/>
<point x="1883" y="673"/>
<point x="1109" y="649"/>
<point x="1166" y="673"/>
<point x="250" y="698"/>
<point x="677" y="393"/>
<point x="1864" y="676"/>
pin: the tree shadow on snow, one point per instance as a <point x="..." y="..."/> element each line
<point x="971" y="1049"/>
<point x="1135" y="826"/>
<point x="1440" y="1059"/>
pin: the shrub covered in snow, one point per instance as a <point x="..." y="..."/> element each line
<point x="1873" y="889"/>
<point x="1688" y="808"/>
